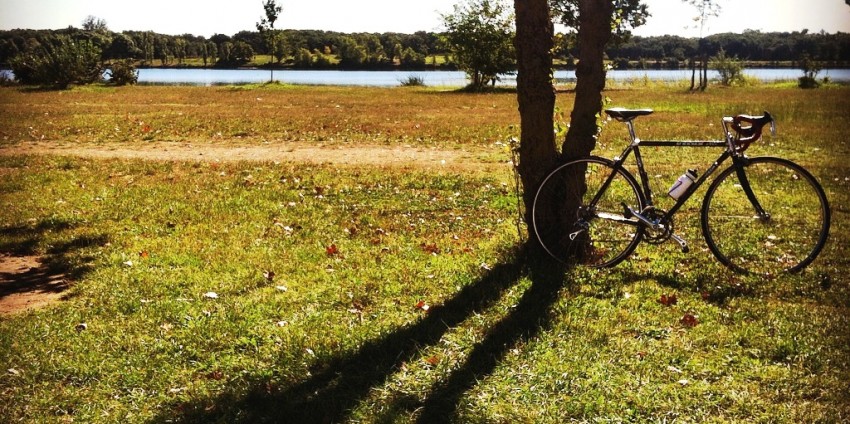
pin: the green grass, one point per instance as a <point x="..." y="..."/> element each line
<point x="340" y="332"/>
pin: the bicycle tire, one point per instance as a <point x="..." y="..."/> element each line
<point x="609" y="237"/>
<point x="788" y="240"/>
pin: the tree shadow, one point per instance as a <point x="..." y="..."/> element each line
<point x="336" y="386"/>
<point x="714" y="289"/>
<point x="28" y="272"/>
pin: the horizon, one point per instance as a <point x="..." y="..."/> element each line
<point x="669" y="17"/>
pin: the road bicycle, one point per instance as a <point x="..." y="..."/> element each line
<point x="762" y="215"/>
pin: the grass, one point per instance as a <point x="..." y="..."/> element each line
<point x="359" y="294"/>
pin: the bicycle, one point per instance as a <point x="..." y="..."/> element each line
<point x="762" y="215"/>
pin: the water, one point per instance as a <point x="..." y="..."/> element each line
<point x="430" y="78"/>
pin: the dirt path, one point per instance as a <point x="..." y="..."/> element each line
<point x="458" y="160"/>
<point x="25" y="284"/>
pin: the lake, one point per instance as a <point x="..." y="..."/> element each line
<point x="430" y="78"/>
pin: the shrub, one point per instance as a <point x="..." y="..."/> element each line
<point x="810" y="70"/>
<point x="59" y="62"/>
<point x="123" y="72"/>
<point x="413" y="81"/>
<point x="303" y="58"/>
<point x="731" y="69"/>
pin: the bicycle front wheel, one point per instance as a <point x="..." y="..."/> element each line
<point x="578" y="214"/>
<point x="780" y="225"/>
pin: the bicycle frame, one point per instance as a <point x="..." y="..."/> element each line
<point x="738" y="160"/>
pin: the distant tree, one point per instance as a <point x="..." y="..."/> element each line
<point x="122" y="47"/>
<point x="810" y="69"/>
<point x="730" y="69"/>
<point x="218" y="39"/>
<point x="351" y="54"/>
<point x="374" y="49"/>
<point x="412" y="59"/>
<point x="161" y="50"/>
<point x="242" y="53"/>
<point x="59" y="62"/>
<point x="94" y="24"/>
<point x="266" y="29"/>
<point x="706" y="9"/>
<point x="178" y="48"/>
<point x="303" y="58"/>
<point x="480" y="35"/>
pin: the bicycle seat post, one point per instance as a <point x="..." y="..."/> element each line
<point x="628" y="116"/>
<point x="631" y="126"/>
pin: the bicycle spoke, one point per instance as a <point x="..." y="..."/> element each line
<point x="590" y="234"/>
<point x="790" y="234"/>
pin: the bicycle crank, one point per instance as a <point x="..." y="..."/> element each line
<point x="659" y="227"/>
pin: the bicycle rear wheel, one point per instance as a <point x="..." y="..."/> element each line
<point x="789" y="233"/>
<point x="584" y="223"/>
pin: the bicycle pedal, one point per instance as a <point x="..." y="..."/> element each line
<point x="627" y="211"/>
<point x="682" y="243"/>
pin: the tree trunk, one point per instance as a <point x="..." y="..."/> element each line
<point x="538" y="153"/>
<point x="536" y="97"/>
<point x="535" y="94"/>
<point x="693" y="73"/>
<point x="593" y="34"/>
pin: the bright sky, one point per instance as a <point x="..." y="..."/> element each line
<point x="207" y="17"/>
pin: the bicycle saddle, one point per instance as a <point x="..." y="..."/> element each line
<point x="626" y="115"/>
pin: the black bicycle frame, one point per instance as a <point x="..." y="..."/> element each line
<point x="738" y="161"/>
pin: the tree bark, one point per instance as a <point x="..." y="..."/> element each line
<point x="593" y="34"/>
<point x="535" y="94"/>
<point x="538" y="153"/>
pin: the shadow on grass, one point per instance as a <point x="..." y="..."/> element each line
<point x="336" y="386"/>
<point x="26" y="271"/>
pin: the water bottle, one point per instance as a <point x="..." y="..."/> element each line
<point x="682" y="184"/>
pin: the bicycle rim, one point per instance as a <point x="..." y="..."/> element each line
<point x="787" y="241"/>
<point x="596" y="235"/>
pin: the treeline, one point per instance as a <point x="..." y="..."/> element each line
<point x="774" y="49"/>
<point x="295" y="48"/>
<point x="327" y="49"/>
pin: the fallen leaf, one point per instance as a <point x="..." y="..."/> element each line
<point x="422" y="305"/>
<point x="433" y="360"/>
<point x="211" y="295"/>
<point x="269" y="275"/>
<point x="144" y="254"/>
<point x="81" y="326"/>
<point x="430" y="248"/>
<point x="689" y="320"/>
<point x="668" y="300"/>
<point x="332" y="250"/>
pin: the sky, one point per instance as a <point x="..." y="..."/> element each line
<point x="208" y="17"/>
